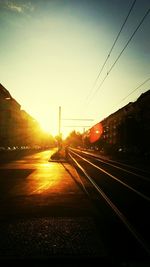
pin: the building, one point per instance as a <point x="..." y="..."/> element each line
<point x="17" y="127"/>
<point x="9" y="115"/>
<point x="126" y="130"/>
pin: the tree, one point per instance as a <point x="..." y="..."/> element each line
<point x="74" y="139"/>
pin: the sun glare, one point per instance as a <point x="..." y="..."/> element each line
<point x="52" y="129"/>
<point x="47" y="128"/>
<point x="50" y="124"/>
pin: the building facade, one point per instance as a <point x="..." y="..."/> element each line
<point x="17" y="127"/>
<point x="126" y="130"/>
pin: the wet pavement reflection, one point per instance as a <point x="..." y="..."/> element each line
<point x="44" y="212"/>
<point x="45" y="177"/>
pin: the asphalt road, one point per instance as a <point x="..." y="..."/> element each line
<point x="44" y="212"/>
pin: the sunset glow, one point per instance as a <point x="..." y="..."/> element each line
<point x="52" y="52"/>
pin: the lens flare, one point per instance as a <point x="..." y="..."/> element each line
<point x="96" y="132"/>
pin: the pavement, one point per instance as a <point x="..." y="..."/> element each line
<point x="45" y="213"/>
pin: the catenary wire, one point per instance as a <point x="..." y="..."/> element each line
<point x="142" y="20"/>
<point x="114" y="43"/>
<point x="135" y="90"/>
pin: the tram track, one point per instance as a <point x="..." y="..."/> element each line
<point x="120" y="189"/>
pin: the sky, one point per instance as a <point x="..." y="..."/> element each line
<point x="51" y="53"/>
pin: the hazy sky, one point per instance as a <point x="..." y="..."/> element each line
<point x="52" y="51"/>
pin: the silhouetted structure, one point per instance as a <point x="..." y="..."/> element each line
<point x="10" y="114"/>
<point x="17" y="127"/>
<point x="126" y="131"/>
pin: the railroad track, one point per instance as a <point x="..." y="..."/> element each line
<point x="125" y="192"/>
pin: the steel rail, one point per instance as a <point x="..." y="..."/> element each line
<point x="117" y="167"/>
<point x="125" y="221"/>
<point x="115" y="178"/>
<point x="118" y="162"/>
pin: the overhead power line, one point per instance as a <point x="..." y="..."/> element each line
<point x="113" y="45"/>
<point x="142" y="20"/>
<point x="135" y="90"/>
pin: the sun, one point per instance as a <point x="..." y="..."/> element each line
<point x="51" y="126"/>
<point x="47" y="128"/>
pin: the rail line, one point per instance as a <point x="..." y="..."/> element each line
<point x="138" y="183"/>
<point x="145" y="174"/>
<point x="106" y="184"/>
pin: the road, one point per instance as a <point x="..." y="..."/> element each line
<point x="31" y="175"/>
<point x="48" y="214"/>
<point x="44" y="212"/>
